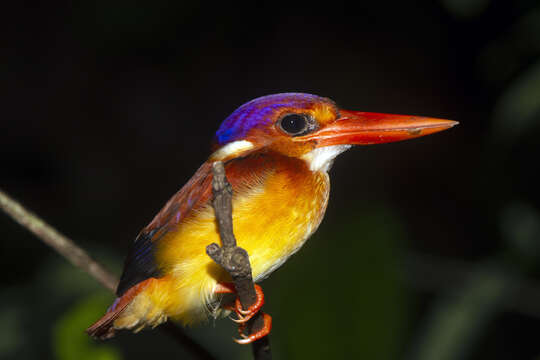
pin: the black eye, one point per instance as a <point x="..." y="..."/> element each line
<point x="295" y="124"/>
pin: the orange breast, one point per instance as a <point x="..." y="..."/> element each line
<point x="274" y="212"/>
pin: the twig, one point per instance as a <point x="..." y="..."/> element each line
<point x="234" y="259"/>
<point x="78" y="257"/>
<point x="57" y="241"/>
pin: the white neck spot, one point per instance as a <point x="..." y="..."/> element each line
<point x="233" y="148"/>
<point x="321" y="159"/>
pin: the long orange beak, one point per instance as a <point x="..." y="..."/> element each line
<point x="364" y="128"/>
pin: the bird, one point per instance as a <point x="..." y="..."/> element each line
<point x="277" y="151"/>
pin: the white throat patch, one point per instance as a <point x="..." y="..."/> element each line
<point x="321" y="159"/>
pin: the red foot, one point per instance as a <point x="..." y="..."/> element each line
<point x="245" y="315"/>
<point x="265" y="330"/>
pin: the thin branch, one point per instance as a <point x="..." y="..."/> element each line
<point x="78" y="257"/>
<point x="57" y="241"/>
<point x="234" y="259"/>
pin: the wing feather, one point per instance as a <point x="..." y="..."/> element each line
<point x="242" y="173"/>
<point x="140" y="264"/>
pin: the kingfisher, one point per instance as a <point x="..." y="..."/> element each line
<point x="277" y="151"/>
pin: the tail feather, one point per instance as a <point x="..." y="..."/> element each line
<point x="104" y="327"/>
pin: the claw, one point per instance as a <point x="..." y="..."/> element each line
<point x="246" y="315"/>
<point x="240" y="320"/>
<point x="265" y="330"/>
<point x="243" y="316"/>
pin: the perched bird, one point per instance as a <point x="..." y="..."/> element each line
<point x="277" y="151"/>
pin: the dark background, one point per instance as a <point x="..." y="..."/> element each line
<point x="429" y="249"/>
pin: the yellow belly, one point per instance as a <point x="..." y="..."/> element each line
<point x="271" y="222"/>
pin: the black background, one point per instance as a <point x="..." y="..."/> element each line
<point x="109" y="107"/>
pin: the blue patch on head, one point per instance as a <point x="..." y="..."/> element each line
<point x="258" y="113"/>
<point x="225" y="136"/>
